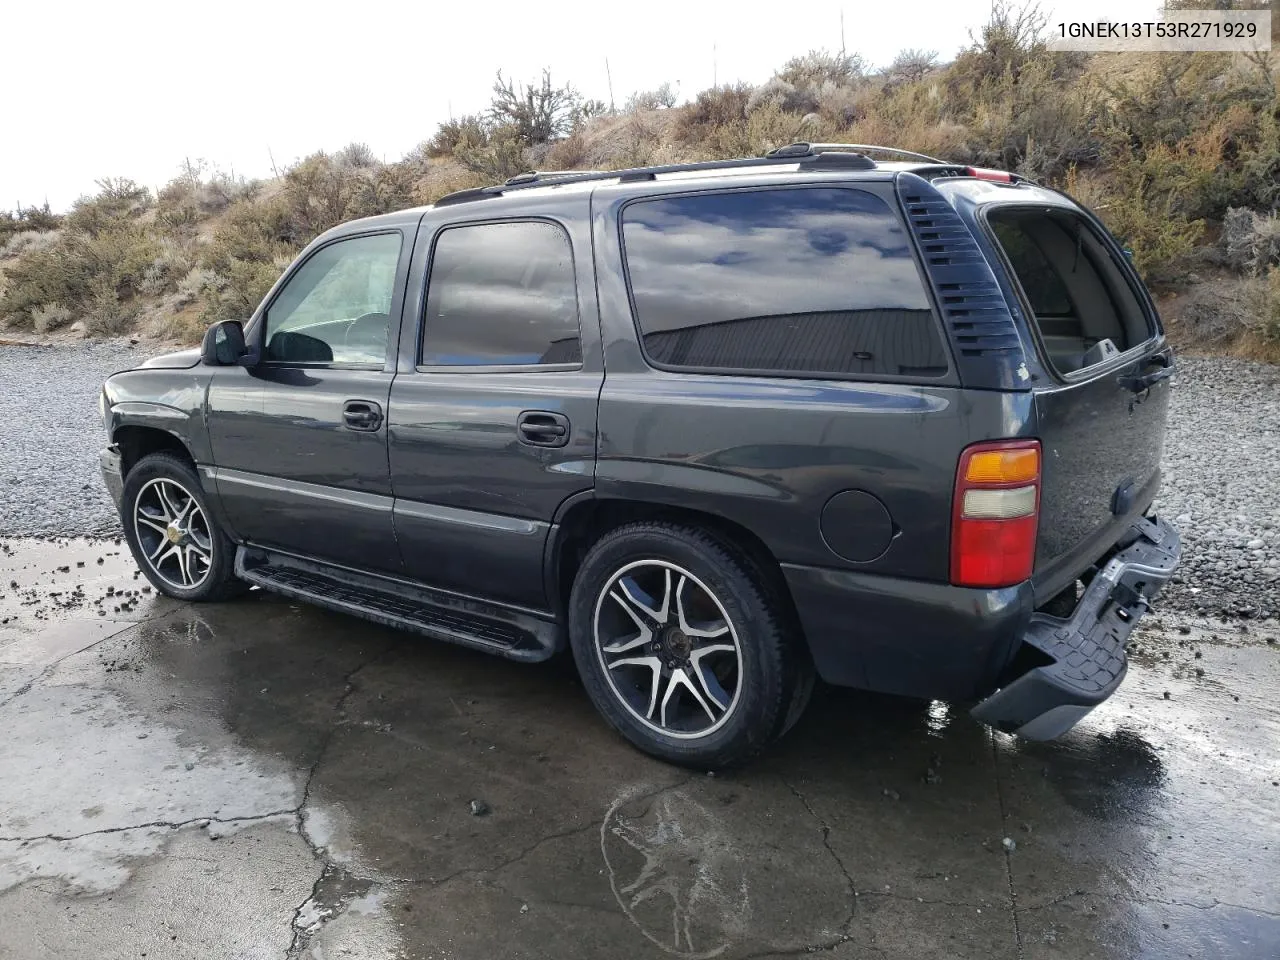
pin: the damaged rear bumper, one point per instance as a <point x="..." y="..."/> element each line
<point x="1086" y="652"/>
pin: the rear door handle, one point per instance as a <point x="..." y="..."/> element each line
<point x="542" y="428"/>
<point x="363" y="415"/>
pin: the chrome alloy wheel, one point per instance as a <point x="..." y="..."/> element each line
<point x="173" y="533"/>
<point x="668" y="649"/>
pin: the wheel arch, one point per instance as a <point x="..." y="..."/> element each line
<point x="584" y="520"/>
<point x="136" y="441"/>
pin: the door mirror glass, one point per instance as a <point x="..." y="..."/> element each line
<point x="223" y="344"/>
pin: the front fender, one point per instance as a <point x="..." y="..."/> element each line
<point x="161" y="399"/>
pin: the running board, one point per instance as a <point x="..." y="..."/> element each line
<point x="512" y="633"/>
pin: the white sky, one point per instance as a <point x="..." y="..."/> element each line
<point x="131" y="87"/>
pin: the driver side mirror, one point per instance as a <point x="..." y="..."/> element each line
<point x="223" y="344"/>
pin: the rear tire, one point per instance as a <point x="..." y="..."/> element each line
<point x="173" y="537"/>
<point x="681" y="648"/>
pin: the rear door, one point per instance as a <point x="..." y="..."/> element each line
<point x="493" y="414"/>
<point x="1103" y="386"/>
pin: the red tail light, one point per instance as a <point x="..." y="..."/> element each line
<point x="995" y="513"/>
<point x="985" y="173"/>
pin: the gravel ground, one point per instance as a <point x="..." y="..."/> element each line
<point x="1221" y="479"/>
<point x="50" y="436"/>
<point x="1222" y="487"/>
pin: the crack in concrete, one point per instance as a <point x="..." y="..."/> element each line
<point x="1144" y="901"/>
<point x="481" y="871"/>
<point x="1008" y="855"/>
<point x="339" y="876"/>
<point x="30" y="684"/>
<point x="171" y="824"/>
<point x="48" y="669"/>
<point x="846" y="934"/>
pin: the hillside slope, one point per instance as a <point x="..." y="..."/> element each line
<point x="1179" y="154"/>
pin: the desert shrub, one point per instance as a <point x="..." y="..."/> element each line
<point x="710" y="110"/>
<point x="567" y="154"/>
<point x="236" y="293"/>
<point x="469" y="130"/>
<point x="783" y="95"/>
<point x="443" y="176"/>
<point x="356" y="156"/>
<point x="49" y="316"/>
<point x="73" y="269"/>
<point x="502" y="157"/>
<point x="1012" y="37"/>
<point x="28" y="240"/>
<point x="186" y="325"/>
<point x="821" y="66"/>
<point x="1143" y="213"/>
<point x="910" y="66"/>
<point x="536" y="112"/>
<point x="1252" y="240"/>
<point x="1261" y="337"/>
<point x="660" y="98"/>
<point x="26" y="219"/>
<point x="105" y="315"/>
<point x="191" y="287"/>
<point x="196" y="194"/>
<point x="118" y="200"/>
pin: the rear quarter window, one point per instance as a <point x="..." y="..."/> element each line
<point x="806" y="281"/>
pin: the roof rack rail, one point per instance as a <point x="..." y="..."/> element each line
<point x="807" y="160"/>
<point x="802" y="148"/>
<point x="531" y="176"/>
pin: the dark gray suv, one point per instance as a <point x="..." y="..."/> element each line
<point x="717" y="428"/>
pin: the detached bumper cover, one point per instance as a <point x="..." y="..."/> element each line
<point x="1088" y="650"/>
<point x="111" y="475"/>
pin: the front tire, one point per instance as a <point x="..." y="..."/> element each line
<point x="680" y="647"/>
<point x="173" y="537"/>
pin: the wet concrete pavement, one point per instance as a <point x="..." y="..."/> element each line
<point x="263" y="779"/>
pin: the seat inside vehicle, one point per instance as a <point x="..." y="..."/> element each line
<point x="1077" y="292"/>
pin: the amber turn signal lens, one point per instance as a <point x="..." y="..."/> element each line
<point x="1003" y="466"/>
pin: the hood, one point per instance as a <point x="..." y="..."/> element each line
<point x="180" y="360"/>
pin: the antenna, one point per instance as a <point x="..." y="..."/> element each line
<point x="609" y="78"/>
<point x="842" y="31"/>
<point x="714" y="81"/>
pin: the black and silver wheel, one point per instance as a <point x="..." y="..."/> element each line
<point x="174" y="539"/>
<point x="679" y="645"/>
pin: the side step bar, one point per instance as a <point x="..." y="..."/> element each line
<point x="514" y="633"/>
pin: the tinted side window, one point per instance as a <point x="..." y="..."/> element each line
<point x="501" y="293"/>
<point x="336" y="307"/>
<point x="813" y="280"/>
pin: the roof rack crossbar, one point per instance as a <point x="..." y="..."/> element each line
<point x="524" y="181"/>
<point x="802" y="148"/>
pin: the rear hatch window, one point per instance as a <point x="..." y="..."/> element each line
<point x="1083" y="305"/>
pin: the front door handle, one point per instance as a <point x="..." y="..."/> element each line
<point x="362" y="415"/>
<point x="541" y="428"/>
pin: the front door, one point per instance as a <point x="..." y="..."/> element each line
<point x="493" y="417"/>
<point x="300" y="439"/>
